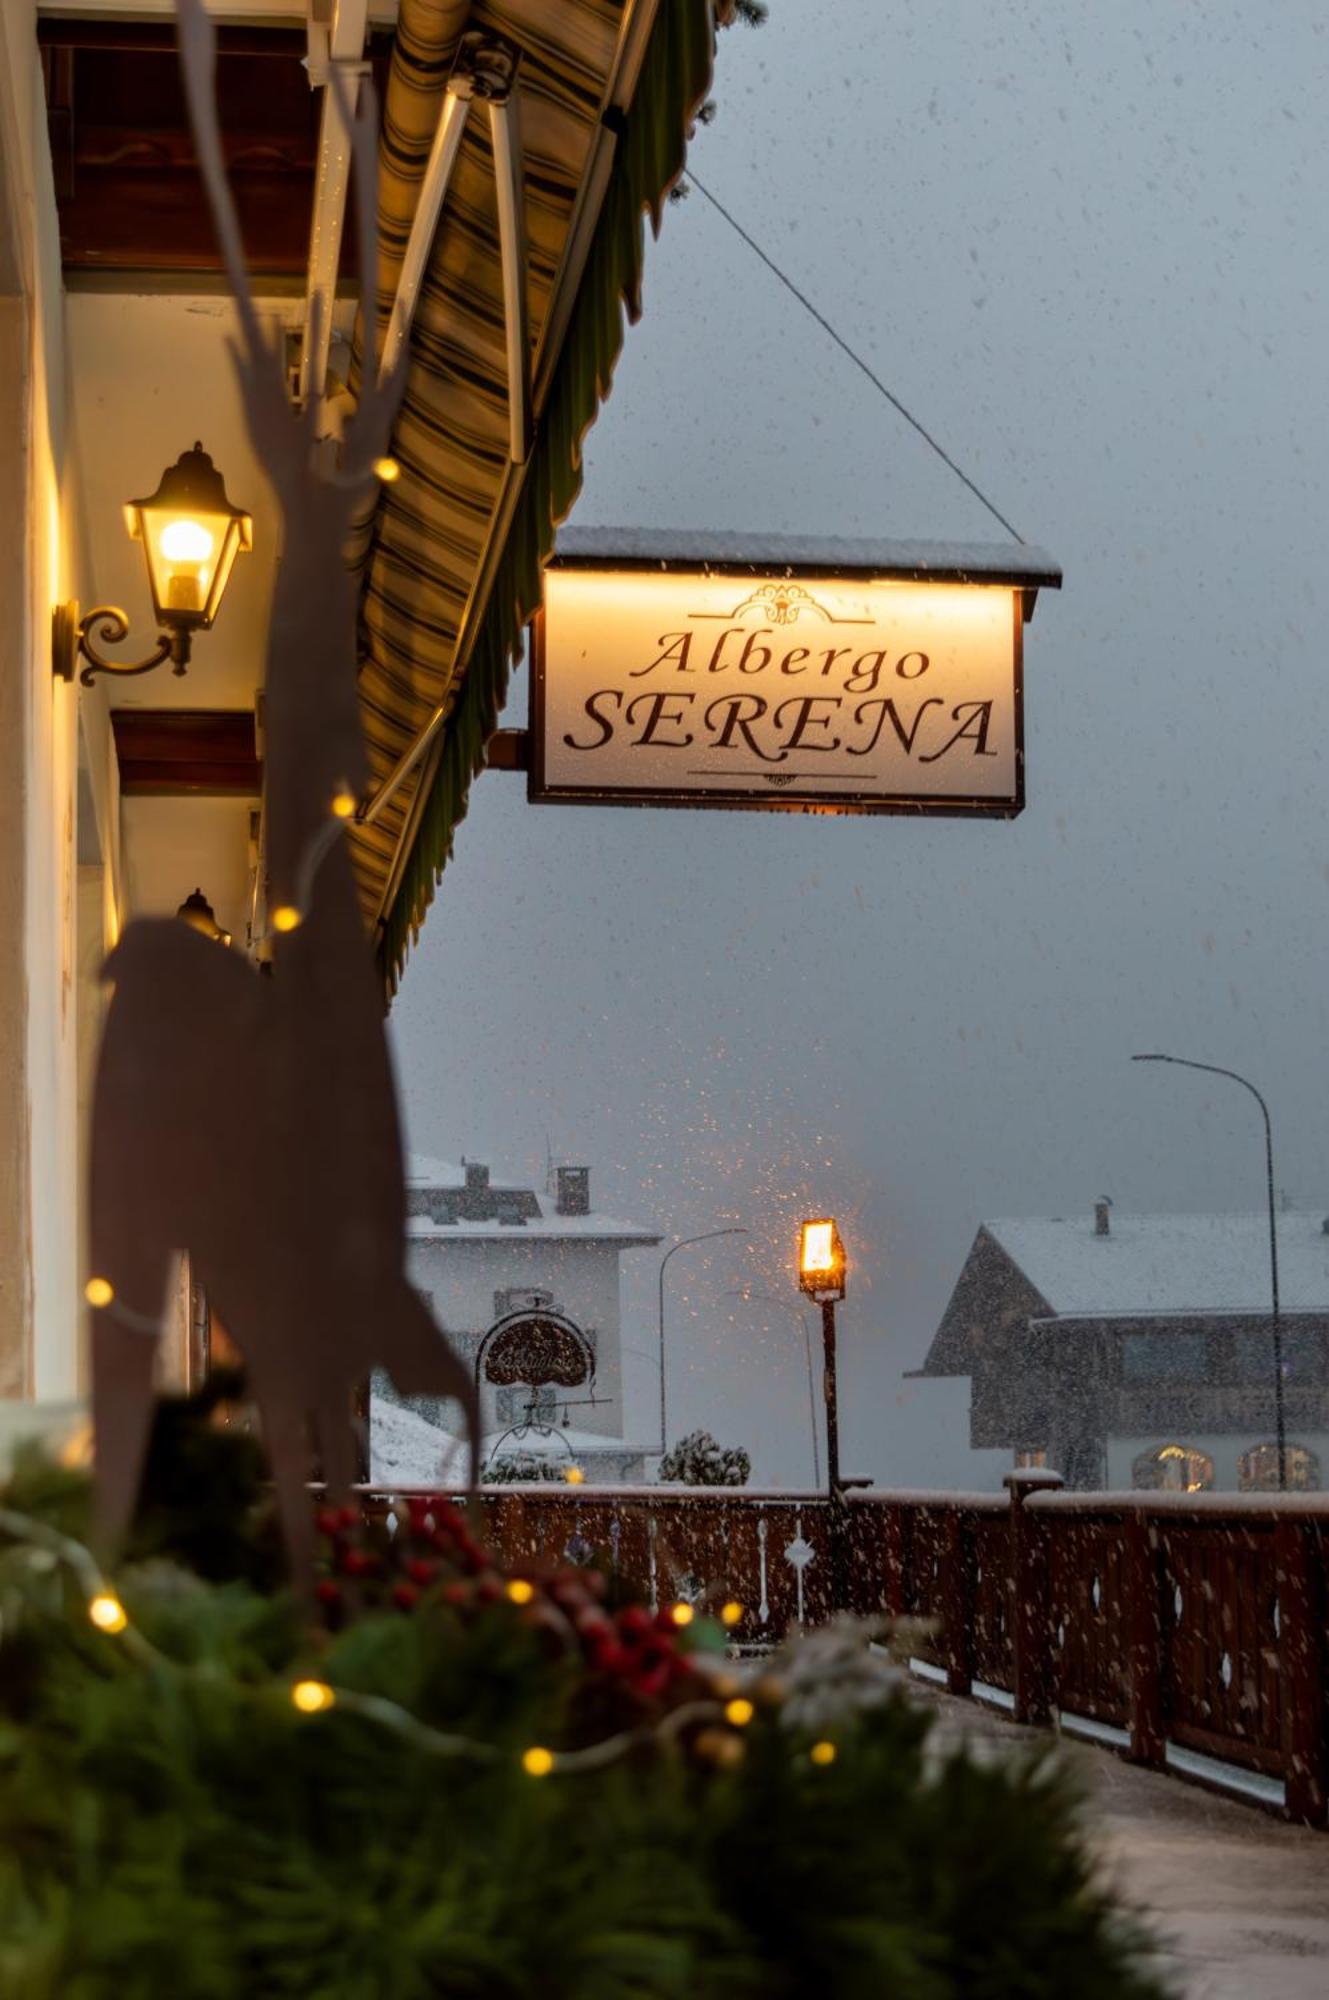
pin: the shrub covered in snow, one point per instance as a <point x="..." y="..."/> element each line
<point x="697" y="1460"/>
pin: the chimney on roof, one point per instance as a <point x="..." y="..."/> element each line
<point x="573" y="1186"/>
<point x="1102" y="1208"/>
<point x="477" y="1176"/>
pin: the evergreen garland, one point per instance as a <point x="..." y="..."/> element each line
<point x="171" y="1823"/>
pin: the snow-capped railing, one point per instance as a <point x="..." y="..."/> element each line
<point x="1192" y="1621"/>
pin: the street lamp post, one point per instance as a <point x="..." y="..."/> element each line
<point x="801" y="1320"/>
<point x="707" y="1236"/>
<point x="1276" y="1324"/>
<point x="821" y="1269"/>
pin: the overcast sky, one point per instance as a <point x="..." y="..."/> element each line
<point x="1088" y="246"/>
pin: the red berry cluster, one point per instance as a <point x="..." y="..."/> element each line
<point x="632" y="1655"/>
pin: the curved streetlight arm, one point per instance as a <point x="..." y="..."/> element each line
<point x="707" y="1236"/>
<point x="797" y="1314"/>
<point x="1233" y="1076"/>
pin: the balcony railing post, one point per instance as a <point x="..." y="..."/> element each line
<point x="1145" y="1618"/>
<point x="1030" y="1625"/>
<point x="1299" y="1570"/>
<point x="957" y="1595"/>
<point x="895" y="1593"/>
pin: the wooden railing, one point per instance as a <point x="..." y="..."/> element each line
<point x="1194" y="1620"/>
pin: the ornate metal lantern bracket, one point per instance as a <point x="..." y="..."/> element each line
<point x="72" y="637"/>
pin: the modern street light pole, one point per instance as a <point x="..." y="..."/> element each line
<point x="1276" y="1324"/>
<point x="708" y="1236"/>
<point x="801" y="1320"/>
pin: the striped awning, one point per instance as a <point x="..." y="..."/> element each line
<point x="451" y="558"/>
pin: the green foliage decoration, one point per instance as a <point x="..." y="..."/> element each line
<point x="171" y="1824"/>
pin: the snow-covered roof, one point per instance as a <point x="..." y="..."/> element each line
<point x="582" y="1228"/>
<point x="424" y="1171"/>
<point x="721" y="548"/>
<point x="537" y="1215"/>
<point x="1171" y="1264"/>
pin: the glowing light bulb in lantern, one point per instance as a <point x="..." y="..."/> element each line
<point x="187" y="546"/>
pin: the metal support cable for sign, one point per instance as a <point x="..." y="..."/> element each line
<point x="857" y="359"/>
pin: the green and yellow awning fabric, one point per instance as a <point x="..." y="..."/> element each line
<point x="451" y="560"/>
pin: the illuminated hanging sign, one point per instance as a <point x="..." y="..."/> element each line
<point x="834" y="677"/>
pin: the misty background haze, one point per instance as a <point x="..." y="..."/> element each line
<point x="1088" y="247"/>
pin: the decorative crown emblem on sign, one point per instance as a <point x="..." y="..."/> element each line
<point x="783" y="603"/>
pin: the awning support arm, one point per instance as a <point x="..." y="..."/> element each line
<point x="505" y="133"/>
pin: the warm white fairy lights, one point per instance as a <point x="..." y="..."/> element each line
<point x="311" y="1697"/>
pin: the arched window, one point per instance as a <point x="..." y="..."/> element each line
<point x="1257" y="1469"/>
<point x="1173" y="1468"/>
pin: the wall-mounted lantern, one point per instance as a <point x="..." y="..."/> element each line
<point x="191" y="536"/>
<point x="198" y="913"/>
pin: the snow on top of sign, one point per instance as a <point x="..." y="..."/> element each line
<point x="1004" y="561"/>
<point x="1169" y="1263"/>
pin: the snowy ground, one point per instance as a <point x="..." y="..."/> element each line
<point x="1238" y="1899"/>
<point x="406" y="1449"/>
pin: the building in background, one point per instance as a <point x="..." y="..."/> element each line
<point x="1135" y="1350"/>
<point x="499" y="1262"/>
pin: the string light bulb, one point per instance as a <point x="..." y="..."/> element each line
<point x="387" y="469"/>
<point x="682" y="1614"/>
<point x="575" y="1476"/>
<point x="537" y="1762"/>
<point x="739" y="1711"/>
<point x="312" y="1697"/>
<point x="731" y="1613"/>
<point x="822" y="1754"/>
<point x="343" y="802"/>
<point x="286" y="918"/>
<point x="107" y="1612"/>
<point x="99" y="1291"/>
<point x="520" y="1591"/>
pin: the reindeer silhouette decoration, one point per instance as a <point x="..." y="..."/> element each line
<point x="252" y="1121"/>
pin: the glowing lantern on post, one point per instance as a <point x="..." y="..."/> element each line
<point x="821" y="1261"/>
<point x="821" y="1269"/>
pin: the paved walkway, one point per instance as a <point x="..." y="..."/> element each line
<point x="1239" y="1900"/>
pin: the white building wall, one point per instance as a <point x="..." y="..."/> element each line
<point x="461" y="1276"/>
<point x="40" y="1318"/>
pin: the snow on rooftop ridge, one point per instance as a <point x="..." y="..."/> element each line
<point x="424" y="1171"/>
<point x="992" y="560"/>
<point x="1152" y="1264"/>
<point x="548" y="1224"/>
